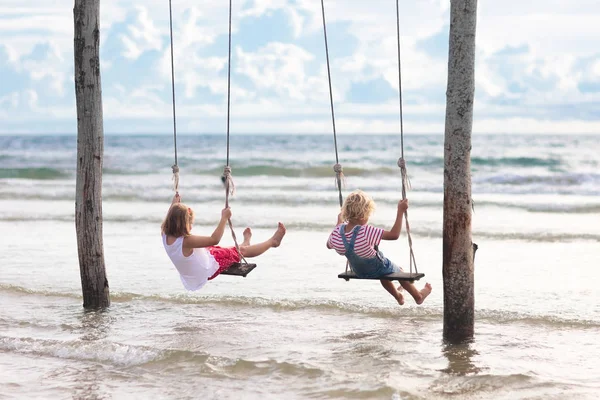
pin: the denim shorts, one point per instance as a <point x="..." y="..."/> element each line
<point x="375" y="267"/>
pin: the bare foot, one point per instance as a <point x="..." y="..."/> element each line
<point x="425" y="292"/>
<point x="279" y="234"/>
<point x="400" y="298"/>
<point x="247" y="237"/>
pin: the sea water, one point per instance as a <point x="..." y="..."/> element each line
<point x="291" y="329"/>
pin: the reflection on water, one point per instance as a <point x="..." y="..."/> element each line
<point x="460" y="358"/>
<point x="88" y="384"/>
<point x="95" y="325"/>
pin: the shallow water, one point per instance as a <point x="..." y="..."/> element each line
<point x="291" y="329"/>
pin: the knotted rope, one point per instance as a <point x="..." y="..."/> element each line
<point x="405" y="179"/>
<point x="401" y="162"/>
<point x="340" y="179"/>
<point x="229" y="185"/>
<point x="175" y="178"/>
<point x="227" y="179"/>
<point x="230" y="190"/>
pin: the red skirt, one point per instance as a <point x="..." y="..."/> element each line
<point x="225" y="256"/>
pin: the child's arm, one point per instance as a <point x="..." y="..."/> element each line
<point x="194" y="241"/>
<point x="339" y="221"/>
<point x="176" y="199"/>
<point x="394" y="233"/>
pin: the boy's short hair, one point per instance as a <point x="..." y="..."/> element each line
<point x="358" y="205"/>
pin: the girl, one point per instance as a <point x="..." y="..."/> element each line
<point x="198" y="259"/>
<point x="358" y="242"/>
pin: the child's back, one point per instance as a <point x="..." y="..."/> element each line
<point x="367" y="238"/>
<point x="195" y="269"/>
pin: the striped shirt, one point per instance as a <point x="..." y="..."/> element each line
<point x="367" y="238"/>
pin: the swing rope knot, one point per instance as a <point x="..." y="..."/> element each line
<point x="228" y="180"/>
<point x="340" y="179"/>
<point x="404" y="174"/>
<point x="175" y="177"/>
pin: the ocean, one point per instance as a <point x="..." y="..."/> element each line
<point x="291" y="329"/>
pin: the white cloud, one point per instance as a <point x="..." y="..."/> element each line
<point x="535" y="88"/>
<point x="280" y="67"/>
<point x="142" y="36"/>
<point x="258" y="8"/>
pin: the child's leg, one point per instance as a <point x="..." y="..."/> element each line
<point x="389" y="286"/>
<point x="418" y="295"/>
<point x="253" y="250"/>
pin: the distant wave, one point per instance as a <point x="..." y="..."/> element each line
<point x="537" y="236"/>
<point x="280" y="169"/>
<point x="298" y="225"/>
<point x="319" y="305"/>
<point x="515" y="162"/>
<point x="323" y="171"/>
<point x="559" y="208"/>
<point x="263" y="166"/>
<point x="509" y="162"/>
<point x="303" y="193"/>
<point x="555" y="181"/>
<point x="416" y="231"/>
<point x="43" y="173"/>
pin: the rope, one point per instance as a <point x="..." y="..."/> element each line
<point x="227" y="178"/>
<point x="175" y="178"/>
<point x="175" y="167"/>
<point x="229" y="83"/>
<point x="340" y="179"/>
<point x="230" y="190"/>
<point x="339" y="174"/>
<point x="401" y="161"/>
<point x="406" y="184"/>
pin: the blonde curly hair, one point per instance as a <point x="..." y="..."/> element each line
<point x="357" y="206"/>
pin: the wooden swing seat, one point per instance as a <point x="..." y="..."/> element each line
<point x="238" y="269"/>
<point x="396" y="276"/>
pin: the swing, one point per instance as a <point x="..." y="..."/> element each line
<point x="396" y="276"/>
<point x="349" y="273"/>
<point x="237" y="269"/>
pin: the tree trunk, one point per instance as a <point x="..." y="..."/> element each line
<point x="458" y="258"/>
<point x="90" y="153"/>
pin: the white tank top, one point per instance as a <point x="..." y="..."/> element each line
<point x="194" y="270"/>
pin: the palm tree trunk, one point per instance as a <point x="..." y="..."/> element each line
<point x="458" y="249"/>
<point x="90" y="153"/>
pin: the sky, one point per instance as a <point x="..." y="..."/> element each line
<point x="537" y="66"/>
